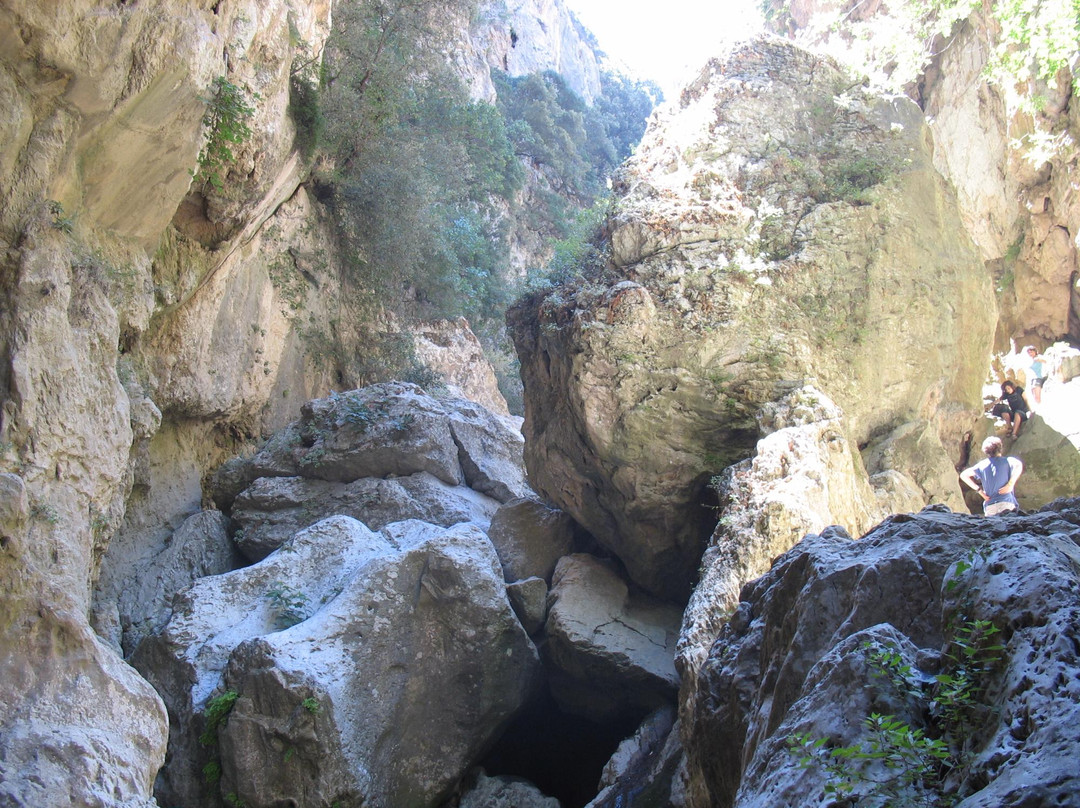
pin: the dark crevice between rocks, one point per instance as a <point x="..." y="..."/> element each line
<point x="561" y="754"/>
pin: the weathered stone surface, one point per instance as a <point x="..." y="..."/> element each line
<point x="272" y="509"/>
<point x="79" y="727"/>
<point x="608" y="648"/>
<point x="771" y="231"/>
<point x="382" y="454"/>
<point x="66" y="432"/>
<point x="144" y="596"/>
<point x="792" y="658"/>
<point x="437" y="665"/>
<point x="186" y="661"/>
<point x="914" y="450"/>
<point x="13" y="506"/>
<point x="490" y="448"/>
<point x="530" y="36"/>
<point x="642" y="768"/>
<point x="392" y="429"/>
<point x="530" y="538"/>
<point x="1008" y="162"/>
<point x="505" y="792"/>
<point x="451" y="349"/>
<point x="528" y="597"/>
<point x="805" y="476"/>
<point x="403" y="643"/>
<point x="106" y="121"/>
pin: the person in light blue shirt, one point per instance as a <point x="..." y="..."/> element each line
<point x="1036" y="373"/>
<point x="995" y="478"/>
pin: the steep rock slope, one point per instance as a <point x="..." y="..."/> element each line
<point x="782" y="225"/>
<point x="106" y="123"/>
<point x="799" y="657"/>
<point x="1008" y="146"/>
<point x="530" y="36"/>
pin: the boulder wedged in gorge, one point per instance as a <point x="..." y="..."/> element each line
<point x="609" y="649"/>
<point x="366" y="667"/>
<point x="781" y="225"/>
<point x="382" y="454"/>
<point x="797" y="657"/>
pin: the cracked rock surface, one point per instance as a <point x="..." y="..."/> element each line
<point x="793" y="657"/>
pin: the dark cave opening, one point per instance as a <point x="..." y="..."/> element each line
<point x="561" y="754"/>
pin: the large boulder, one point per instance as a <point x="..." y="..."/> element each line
<point x="383" y="454"/>
<point x="199" y="547"/>
<point x="609" y="650"/>
<point x="272" y="509"/>
<point x="804" y="476"/>
<point x="372" y="667"/>
<point x="451" y="349"/>
<point x="771" y="231"/>
<point x="798" y="655"/>
<point x="530" y="538"/>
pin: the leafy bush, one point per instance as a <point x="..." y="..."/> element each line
<point x="913" y="762"/>
<point x="288" y="603"/>
<point x="422" y="182"/>
<point x="216" y="713"/>
<point x="228" y="111"/>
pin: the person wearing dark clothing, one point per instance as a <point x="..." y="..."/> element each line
<point x="1013" y="396"/>
<point x="994" y="478"/>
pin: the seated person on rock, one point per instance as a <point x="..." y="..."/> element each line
<point x="994" y="478"/>
<point x="1013" y="396"/>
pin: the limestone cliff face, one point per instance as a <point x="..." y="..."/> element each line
<point x="1011" y="166"/>
<point x="106" y="123"/>
<point x="530" y="36"/>
<point x="782" y="224"/>
<point x="150" y="325"/>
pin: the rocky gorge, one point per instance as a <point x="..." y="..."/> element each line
<point x="725" y="535"/>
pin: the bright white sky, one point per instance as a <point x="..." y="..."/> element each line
<point x="667" y="41"/>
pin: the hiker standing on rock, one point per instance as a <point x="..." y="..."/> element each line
<point x="994" y="478"/>
<point x="1036" y="373"/>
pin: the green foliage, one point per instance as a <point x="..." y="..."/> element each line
<point x="911" y="760"/>
<point x="216" y="714"/>
<point x="212" y="773"/>
<point x="1038" y="41"/>
<point x="623" y="107"/>
<point x="305" y="90"/>
<point x="228" y="110"/>
<point x="582" y="255"/>
<point x="234" y="800"/>
<point x="421" y="181"/>
<point x="418" y="204"/>
<point x="288" y="603"/>
<point x="44" y="512"/>
<point x="912" y="763"/>
<point x="288" y="282"/>
<point x="60" y="220"/>
<point x="311" y="704"/>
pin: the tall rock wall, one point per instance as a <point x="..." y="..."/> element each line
<point x="781" y="225"/>
<point x="105" y="125"/>
<point x="151" y="325"/>
<point x="530" y="36"/>
<point x="1008" y="147"/>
